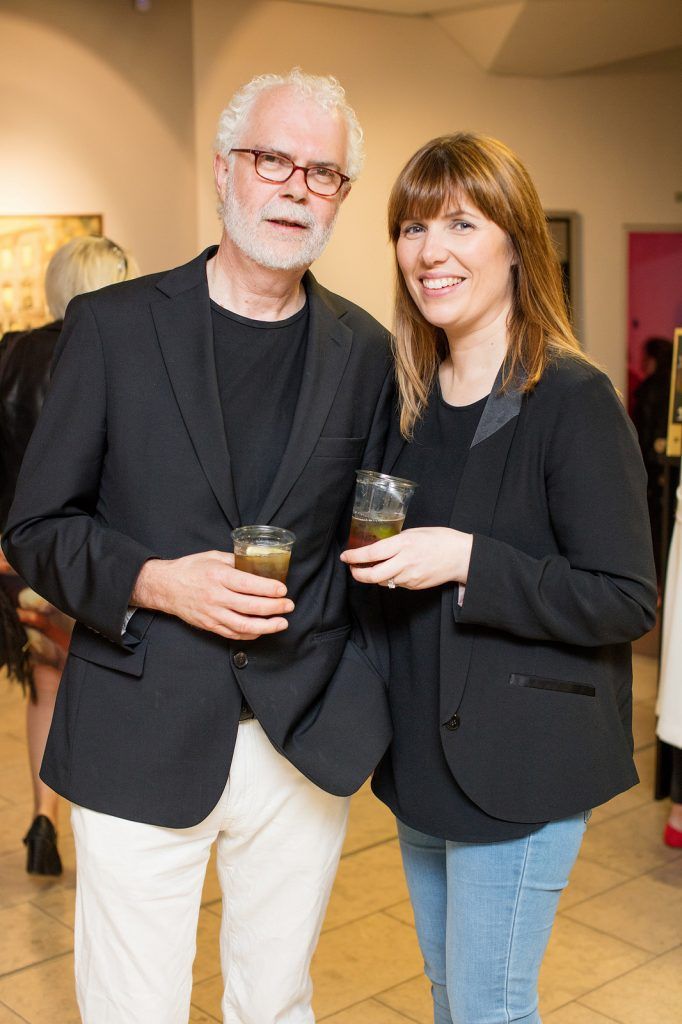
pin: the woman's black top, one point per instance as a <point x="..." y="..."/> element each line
<point x="419" y="786"/>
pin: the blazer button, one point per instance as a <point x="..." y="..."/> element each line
<point x="453" y="723"/>
<point x="240" y="659"/>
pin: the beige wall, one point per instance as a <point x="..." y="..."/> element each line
<point x="607" y="144"/>
<point x="105" y="110"/>
<point x="97" y="117"/>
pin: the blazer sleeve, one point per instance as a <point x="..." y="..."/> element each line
<point x="601" y="587"/>
<point x="54" y="537"/>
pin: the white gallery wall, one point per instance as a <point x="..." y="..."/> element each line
<point x="105" y="110"/>
<point x="97" y="116"/>
<point x="607" y="145"/>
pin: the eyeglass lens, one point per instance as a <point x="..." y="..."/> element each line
<point x="323" y="180"/>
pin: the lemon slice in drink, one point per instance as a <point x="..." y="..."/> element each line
<point x="260" y="550"/>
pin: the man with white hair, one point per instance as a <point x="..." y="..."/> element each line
<point x="200" y="703"/>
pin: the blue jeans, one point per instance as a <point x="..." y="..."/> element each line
<point x="484" y="913"/>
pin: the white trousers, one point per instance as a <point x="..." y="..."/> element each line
<point x="279" y="840"/>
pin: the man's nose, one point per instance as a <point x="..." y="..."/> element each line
<point x="295" y="188"/>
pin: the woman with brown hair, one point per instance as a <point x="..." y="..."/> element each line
<point x="511" y="597"/>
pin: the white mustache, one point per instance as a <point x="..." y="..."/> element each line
<point x="277" y="210"/>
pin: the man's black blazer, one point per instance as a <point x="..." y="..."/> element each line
<point x="129" y="461"/>
<point x="535" y="665"/>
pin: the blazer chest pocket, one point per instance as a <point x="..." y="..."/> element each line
<point x="558" y="685"/>
<point x="339" y="447"/>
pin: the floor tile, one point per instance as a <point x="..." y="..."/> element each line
<point x="58" y="902"/>
<point x="646" y="911"/>
<point x="196" y="1016"/>
<point x="412" y="998"/>
<point x="15" y="820"/>
<point x="358" y="960"/>
<point x="368" y="1012"/>
<point x="7" y="1017"/>
<point x="207" y="960"/>
<point x="402" y="912"/>
<point x="630" y="843"/>
<point x="579" y="959"/>
<point x="644" y="677"/>
<point x="206" y="996"/>
<point x="652" y="994"/>
<point x="588" y="879"/>
<point x="574" y="1013"/>
<point x="643" y="723"/>
<point x="16" y="886"/>
<point x="211" y="891"/>
<point x="43" y="994"/>
<point x="27" y="936"/>
<point x="366" y="882"/>
<point x="643" y="793"/>
<point x="370" y="822"/>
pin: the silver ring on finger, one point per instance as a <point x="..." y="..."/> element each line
<point x="391" y="584"/>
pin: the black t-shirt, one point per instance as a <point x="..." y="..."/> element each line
<point x="259" y="365"/>
<point x="414" y="778"/>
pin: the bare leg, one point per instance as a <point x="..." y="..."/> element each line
<point x="38" y="721"/>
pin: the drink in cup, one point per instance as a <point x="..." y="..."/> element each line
<point x="379" y="507"/>
<point x="263" y="551"/>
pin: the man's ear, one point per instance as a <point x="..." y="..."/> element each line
<point x="220" y="171"/>
<point x="345" y="191"/>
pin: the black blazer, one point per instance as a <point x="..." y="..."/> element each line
<point x="25" y="361"/>
<point x="129" y="461"/>
<point x="535" y="666"/>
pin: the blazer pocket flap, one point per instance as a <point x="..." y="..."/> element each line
<point x="339" y="447"/>
<point x="95" y="648"/>
<point x="559" y="685"/>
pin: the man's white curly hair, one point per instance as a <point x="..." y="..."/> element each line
<point x="323" y="89"/>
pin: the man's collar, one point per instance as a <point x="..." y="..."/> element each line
<point x="193" y="275"/>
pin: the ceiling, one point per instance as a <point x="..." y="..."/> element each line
<point x="548" y="37"/>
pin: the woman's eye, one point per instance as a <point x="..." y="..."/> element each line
<point x="461" y="225"/>
<point x="412" y="229"/>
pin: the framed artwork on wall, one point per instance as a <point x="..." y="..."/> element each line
<point x="564" y="227"/>
<point x="674" y="440"/>
<point x="26" y="245"/>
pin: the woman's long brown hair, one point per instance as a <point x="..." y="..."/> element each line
<point x="496" y="182"/>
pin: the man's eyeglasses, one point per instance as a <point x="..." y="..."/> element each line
<point x="321" y="181"/>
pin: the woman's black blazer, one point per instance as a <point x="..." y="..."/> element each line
<point x="535" y="664"/>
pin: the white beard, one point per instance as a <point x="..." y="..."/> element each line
<point x="300" y="253"/>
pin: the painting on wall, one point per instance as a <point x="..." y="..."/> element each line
<point x="564" y="228"/>
<point x="674" y="442"/>
<point x="26" y="245"/>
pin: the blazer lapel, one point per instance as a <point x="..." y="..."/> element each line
<point x="185" y="333"/>
<point x="327" y="352"/>
<point x="473" y="511"/>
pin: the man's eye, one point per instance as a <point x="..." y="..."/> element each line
<point x="322" y="173"/>
<point x="272" y="160"/>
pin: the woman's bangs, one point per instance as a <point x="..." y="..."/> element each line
<point x="423" y="191"/>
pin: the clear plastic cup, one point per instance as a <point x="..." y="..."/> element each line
<point x="263" y="551"/>
<point x="379" y="507"/>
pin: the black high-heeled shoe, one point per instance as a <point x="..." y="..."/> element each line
<point x="41" y="842"/>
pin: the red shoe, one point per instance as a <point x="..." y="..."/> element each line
<point x="672" y="836"/>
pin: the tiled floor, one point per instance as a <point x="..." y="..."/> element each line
<point x="615" y="954"/>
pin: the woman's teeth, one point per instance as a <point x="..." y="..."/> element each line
<point x="434" y="283"/>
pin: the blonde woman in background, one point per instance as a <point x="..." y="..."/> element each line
<point x="82" y="265"/>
